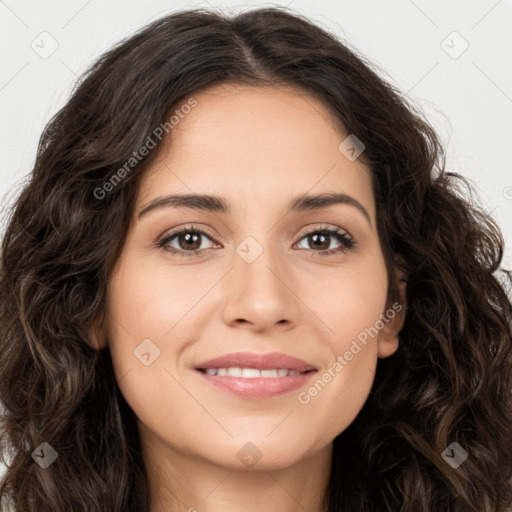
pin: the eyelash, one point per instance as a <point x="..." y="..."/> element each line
<point x="347" y="243"/>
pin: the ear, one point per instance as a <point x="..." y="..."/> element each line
<point x="97" y="333"/>
<point x="393" y="319"/>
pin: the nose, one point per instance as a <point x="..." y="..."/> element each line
<point x="260" y="294"/>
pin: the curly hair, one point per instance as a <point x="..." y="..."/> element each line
<point x="451" y="378"/>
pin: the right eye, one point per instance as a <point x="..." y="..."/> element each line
<point x="188" y="239"/>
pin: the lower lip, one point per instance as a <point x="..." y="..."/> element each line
<point x="258" y="387"/>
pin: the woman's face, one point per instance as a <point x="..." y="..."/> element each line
<point x="261" y="281"/>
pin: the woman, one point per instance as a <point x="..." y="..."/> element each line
<point x="240" y="277"/>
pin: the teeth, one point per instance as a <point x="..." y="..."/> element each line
<point x="235" y="372"/>
<point x="252" y="373"/>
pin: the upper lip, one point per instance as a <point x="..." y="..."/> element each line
<point x="270" y="361"/>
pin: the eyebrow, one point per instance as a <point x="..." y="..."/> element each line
<point x="217" y="204"/>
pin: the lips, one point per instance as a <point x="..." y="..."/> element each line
<point x="270" y="361"/>
<point x="256" y="376"/>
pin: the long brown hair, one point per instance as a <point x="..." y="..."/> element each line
<point x="449" y="382"/>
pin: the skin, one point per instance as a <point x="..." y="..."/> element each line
<point x="258" y="148"/>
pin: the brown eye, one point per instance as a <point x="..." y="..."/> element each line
<point x="319" y="241"/>
<point x="186" y="242"/>
<point x="189" y="240"/>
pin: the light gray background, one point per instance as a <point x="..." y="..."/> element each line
<point x="467" y="98"/>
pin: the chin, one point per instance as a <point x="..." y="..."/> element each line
<point x="259" y="452"/>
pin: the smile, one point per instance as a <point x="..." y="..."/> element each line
<point x="253" y="383"/>
<point x="251" y="373"/>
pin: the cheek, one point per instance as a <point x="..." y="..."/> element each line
<point x="348" y="300"/>
<point x="153" y="314"/>
<point x="359" y="303"/>
<point x="144" y="309"/>
<point x="148" y="301"/>
<point x="350" y="305"/>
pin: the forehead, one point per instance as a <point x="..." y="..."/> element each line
<point x="251" y="144"/>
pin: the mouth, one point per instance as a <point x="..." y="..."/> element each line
<point x="256" y="376"/>
<point x="252" y="373"/>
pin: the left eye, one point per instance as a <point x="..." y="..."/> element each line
<point x="317" y="238"/>
<point x="189" y="241"/>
